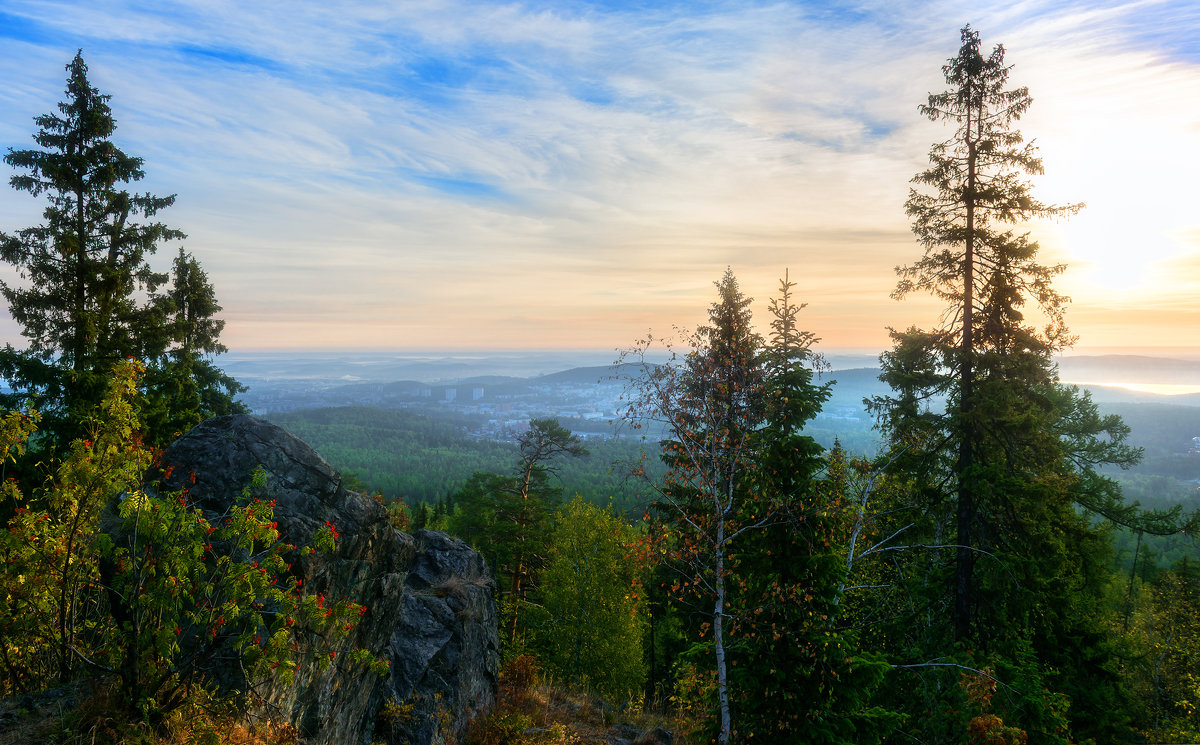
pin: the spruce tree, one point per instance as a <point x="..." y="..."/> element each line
<point x="86" y="298"/>
<point x="795" y="666"/>
<point x="183" y="386"/>
<point x="986" y="272"/>
<point x="709" y="408"/>
<point x="1000" y="455"/>
<point x="752" y="547"/>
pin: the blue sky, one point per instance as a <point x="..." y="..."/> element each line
<point x="523" y="175"/>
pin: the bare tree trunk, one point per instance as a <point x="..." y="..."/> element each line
<point x="964" y="591"/>
<point x="719" y="635"/>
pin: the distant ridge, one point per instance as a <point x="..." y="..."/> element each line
<point x="284" y="383"/>
<point x="863" y="381"/>
<point x="596" y="374"/>
<point x="1106" y="394"/>
<point x="480" y="380"/>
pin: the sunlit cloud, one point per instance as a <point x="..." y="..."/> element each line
<point x="536" y="174"/>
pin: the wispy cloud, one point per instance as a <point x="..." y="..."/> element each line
<point x="530" y="174"/>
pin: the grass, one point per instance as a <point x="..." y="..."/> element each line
<point x="90" y="714"/>
<point x="529" y="711"/>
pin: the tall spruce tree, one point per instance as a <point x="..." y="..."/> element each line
<point x="709" y="408"/>
<point x="975" y="261"/>
<point x="86" y="296"/>
<point x="1001" y="456"/>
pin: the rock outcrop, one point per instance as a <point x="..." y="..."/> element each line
<point x="431" y="612"/>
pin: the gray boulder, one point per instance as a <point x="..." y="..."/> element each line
<point x="430" y="608"/>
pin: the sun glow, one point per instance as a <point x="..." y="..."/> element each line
<point x="1116" y="132"/>
<point x="1161" y="389"/>
<point x="1104" y="254"/>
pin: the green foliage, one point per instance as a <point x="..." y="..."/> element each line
<point x="404" y="455"/>
<point x="527" y="505"/>
<point x="792" y="666"/>
<point x="986" y="728"/>
<point x="422" y="459"/>
<point x="594" y="606"/>
<point x="50" y="611"/>
<point x="984" y="358"/>
<point x="189" y="593"/>
<point x="512" y="533"/>
<point x="24" y="591"/>
<point x="694" y="697"/>
<point x="994" y="461"/>
<point x="753" y="533"/>
<point x="1165" y="656"/>
<point x="710" y="407"/>
<point x="84" y="265"/>
<point x="502" y="728"/>
<point x="183" y="387"/>
<point x="87" y="296"/>
<point x="146" y="587"/>
<point x="508" y="519"/>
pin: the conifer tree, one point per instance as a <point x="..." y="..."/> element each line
<point x="86" y="295"/>
<point x="508" y="518"/>
<point x="82" y="267"/>
<point x="750" y="532"/>
<point x="183" y="386"/>
<point x="710" y="407"/>
<point x="1000" y="456"/>
<point x="975" y="261"/>
<point x="795" y="666"/>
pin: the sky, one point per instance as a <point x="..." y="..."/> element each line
<point x="455" y="175"/>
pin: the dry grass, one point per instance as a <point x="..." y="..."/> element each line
<point x="532" y="712"/>
<point x="26" y="718"/>
<point x="529" y="712"/>
<point x="99" y="717"/>
<point x="240" y="733"/>
<point x="456" y="586"/>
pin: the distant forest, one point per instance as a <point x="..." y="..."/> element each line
<point x="425" y="458"/>
<point x="422" y="459"/>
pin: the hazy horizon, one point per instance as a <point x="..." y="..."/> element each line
<point x="1145" y="370"/>
<point x="1181" y="351"/>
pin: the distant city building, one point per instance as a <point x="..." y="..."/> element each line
<point x="476" y="394"/>
<point x="451" y="394"/>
